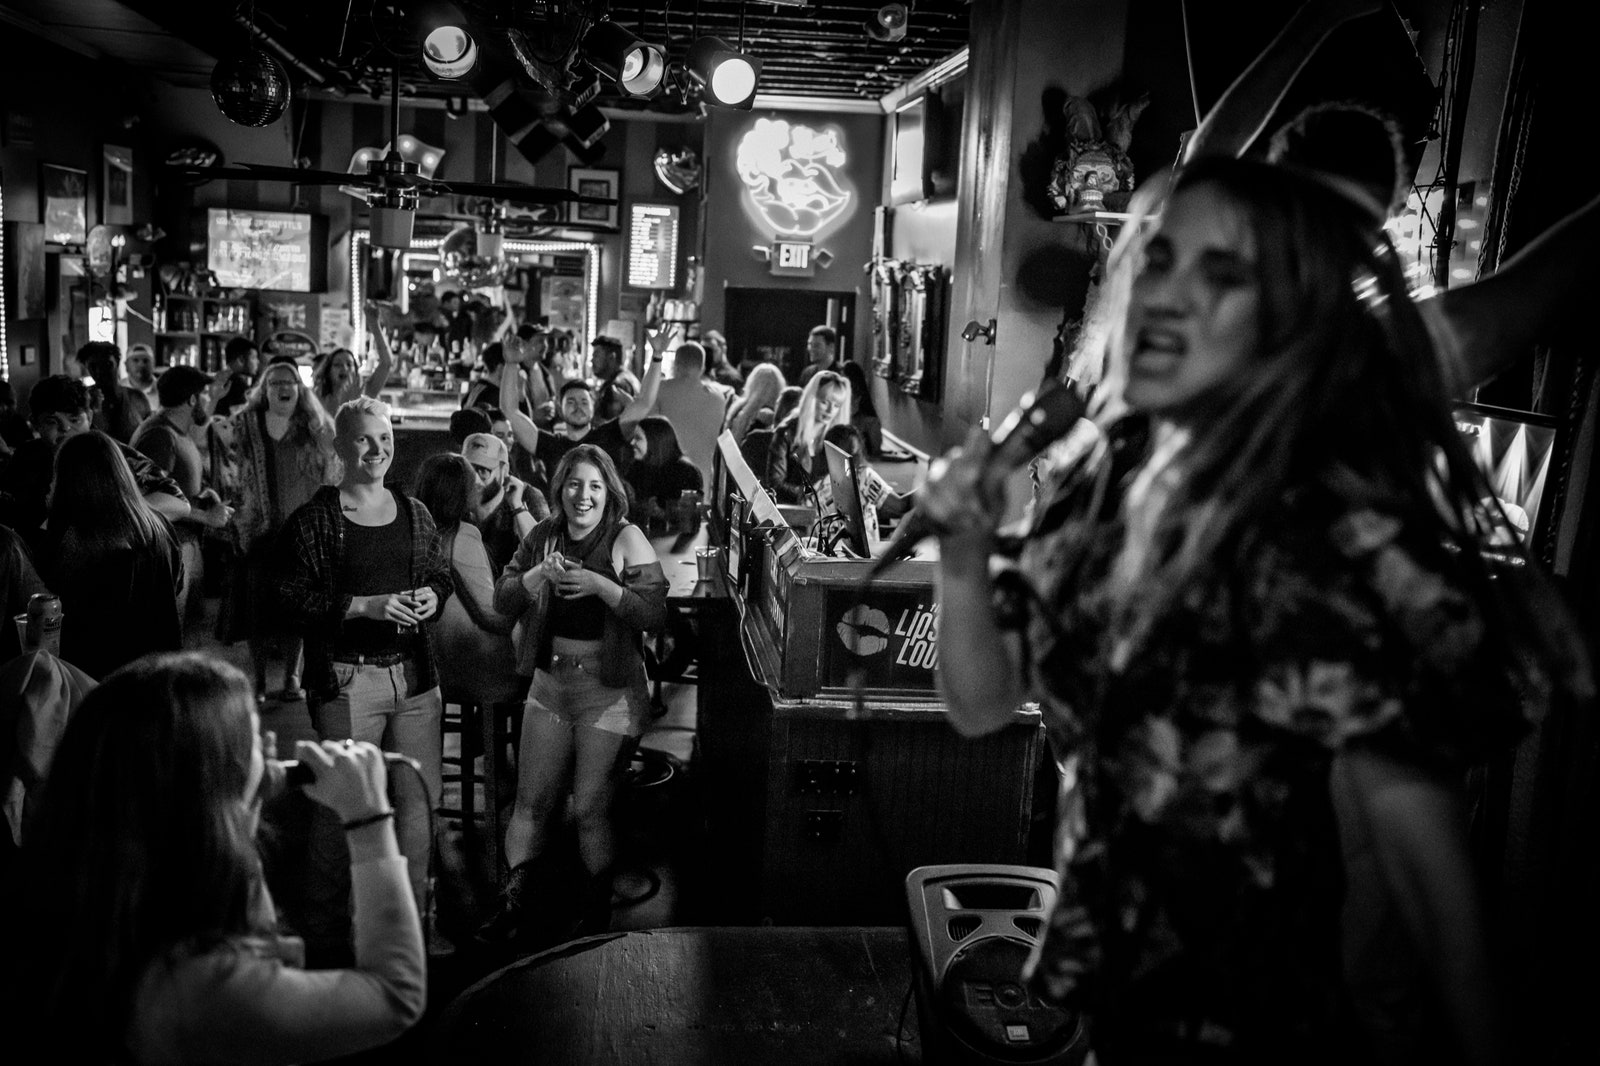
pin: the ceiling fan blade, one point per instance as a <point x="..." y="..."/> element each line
<point x="257" y="172"/>
<point x="518" y="194"/>
<point x="308" y="177"/>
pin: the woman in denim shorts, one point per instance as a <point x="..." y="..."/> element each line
<point x="586" y="585"/>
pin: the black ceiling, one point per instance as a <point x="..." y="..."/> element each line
<point x="816" y="48"/>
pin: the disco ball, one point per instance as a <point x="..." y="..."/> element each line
<point x="459" y="257"/>
<point x="251" y="88"/>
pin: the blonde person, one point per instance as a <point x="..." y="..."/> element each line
<point x="795" y="459"/>
<point x="282" y="449"/>
<point x="586" y="585"/>
<point x="756" y="402"/>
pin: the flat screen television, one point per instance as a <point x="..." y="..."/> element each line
<point x="1515" y="450"/>
<point x="281" y="250"/>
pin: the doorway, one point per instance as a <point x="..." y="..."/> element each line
<point x="771" y="325"/>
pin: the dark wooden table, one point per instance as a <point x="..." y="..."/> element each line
<point x="751" y="996"/>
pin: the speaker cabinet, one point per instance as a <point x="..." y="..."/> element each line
<point x="973" y="926"/>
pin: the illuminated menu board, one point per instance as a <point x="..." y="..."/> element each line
<point x="259" y="249"/>
<point x="653" y="246"/>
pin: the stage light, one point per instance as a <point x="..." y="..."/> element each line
<point x="888" y="23"/>
<point x="728" y="75"/>
<point x="636" y="65"/>
<point x="450" y="52"/>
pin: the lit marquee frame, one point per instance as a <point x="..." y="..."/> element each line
<point x="360" y="240"/>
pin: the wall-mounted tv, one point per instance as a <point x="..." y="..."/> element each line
<point x="282" y="250"/>
<point x="926" y="145"/>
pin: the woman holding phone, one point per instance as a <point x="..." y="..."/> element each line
<point x="586" y="584"/>
<point x="143" y="930"/>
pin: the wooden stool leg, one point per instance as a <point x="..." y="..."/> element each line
<point x="489" y="730"/>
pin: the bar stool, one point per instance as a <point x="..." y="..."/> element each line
<point x="471" y="718"/>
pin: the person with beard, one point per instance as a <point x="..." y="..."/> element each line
<point x="577" y="404"/>
<point x="361" y="570"/>
<point x="165" y="437"/>
<point x="140" y="367"/>
<point x="614" y="385"/>
<point x="504" y="508"/>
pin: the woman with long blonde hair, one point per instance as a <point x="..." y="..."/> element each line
<point x="794" y="461"/>
<point x="756" y="402"/>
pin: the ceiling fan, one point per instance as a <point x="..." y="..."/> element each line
<point x="392" y="186"/>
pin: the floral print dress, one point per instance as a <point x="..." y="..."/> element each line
<point x="1200" y="859"/>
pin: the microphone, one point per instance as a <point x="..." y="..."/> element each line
<point x="1041" y="418"/>
<point x="284" y="774"/>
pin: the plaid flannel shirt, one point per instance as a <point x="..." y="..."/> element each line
<point x="310" y="556"/>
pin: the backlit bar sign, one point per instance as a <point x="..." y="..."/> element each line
<point x="653" y="246"/>
<point x="794" y="178"/>
<point x="259" y="249"/>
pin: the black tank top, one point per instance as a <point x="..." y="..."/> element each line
<point x="585" y="619"/>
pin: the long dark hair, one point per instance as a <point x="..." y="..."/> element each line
<point x="661" y="442"/>
<point x="859" y="391"/>
<point x="1344" y="391"/>
<point x="142" y="848"/>
<point x="445" y="486"/>
<point x="616" y="492"/>
<point x="95" y="502"/>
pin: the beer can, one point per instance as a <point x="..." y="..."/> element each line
<point x="44" y="622"/>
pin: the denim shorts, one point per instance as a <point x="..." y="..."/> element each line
<point x="571" y="691"/>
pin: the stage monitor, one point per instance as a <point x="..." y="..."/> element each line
<point x="860" y="535"/>
<point x="279" y="250"/>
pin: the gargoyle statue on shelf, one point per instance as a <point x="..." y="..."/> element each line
<point x="1096" y="163"/>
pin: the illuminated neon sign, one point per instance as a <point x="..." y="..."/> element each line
<point x="793" y="176"/>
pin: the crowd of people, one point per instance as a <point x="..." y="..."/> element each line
<point x="1251" y="598"/>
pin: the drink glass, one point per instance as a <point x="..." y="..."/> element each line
<point x="707" y="562"/>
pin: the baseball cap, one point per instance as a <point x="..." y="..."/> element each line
<point x="178" y="384"/>
<point x="484" y="449"/>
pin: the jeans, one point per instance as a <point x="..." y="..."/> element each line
<point x="379" y="704"/>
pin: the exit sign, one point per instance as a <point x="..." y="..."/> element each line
<point x="793" y="259"/>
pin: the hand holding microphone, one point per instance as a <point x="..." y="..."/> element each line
<point x="964" y="494"/>
<point x="347" y="776"/>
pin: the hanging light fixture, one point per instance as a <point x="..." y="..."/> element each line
<point x="727" y="75"/>
<point x="636" y="65"/>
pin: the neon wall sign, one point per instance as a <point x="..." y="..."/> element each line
<point x="794" y="177"/>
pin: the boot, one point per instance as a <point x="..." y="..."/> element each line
<point x="505" y="925"/>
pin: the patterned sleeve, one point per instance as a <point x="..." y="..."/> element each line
<point x="1356" y="635"/>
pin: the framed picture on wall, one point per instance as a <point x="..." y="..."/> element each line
<point x="592" y="181"/>
<point x="66" y="203"/>
<point x="116" y="185"/>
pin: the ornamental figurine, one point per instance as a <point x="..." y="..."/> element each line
<point x="1096" y="164"/>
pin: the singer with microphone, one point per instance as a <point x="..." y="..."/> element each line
<point x="141" y="928"/>
<point x="1257" y="619"/>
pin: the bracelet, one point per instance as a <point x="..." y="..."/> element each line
<point x="371" y="819"/>
<point x="520" y="510"/>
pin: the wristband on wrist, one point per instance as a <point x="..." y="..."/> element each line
<point x="520" y="509"/>
<point x="371" y="819"/>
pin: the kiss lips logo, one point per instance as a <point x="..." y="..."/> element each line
<point x="864" y="630"/>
